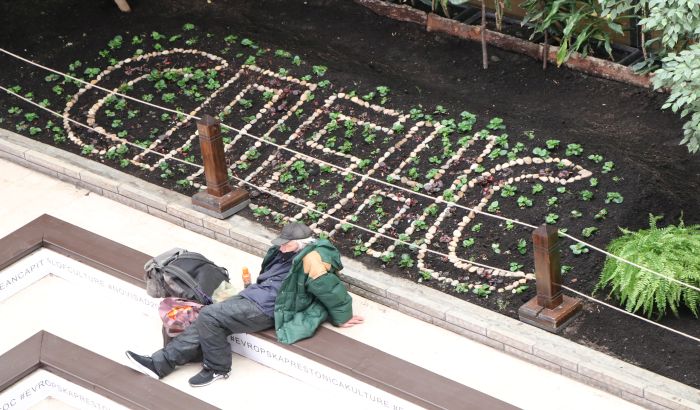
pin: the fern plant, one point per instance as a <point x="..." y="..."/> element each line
<point x="671" y="251"/>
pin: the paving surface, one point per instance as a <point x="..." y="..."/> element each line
<point x="27" y="194"/>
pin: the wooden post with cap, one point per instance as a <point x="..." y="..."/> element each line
<point x="219" y="200"/>
<point x="550" y="310"/>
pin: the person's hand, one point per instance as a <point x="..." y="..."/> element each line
<point x="355" y="320"/>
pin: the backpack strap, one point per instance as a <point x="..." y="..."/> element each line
<point x="189" y="281"/>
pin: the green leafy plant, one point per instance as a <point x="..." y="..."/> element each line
<point x="608" y="166"/>
<point x="524" y="202"/>
<point x="595" y="158"/>
<point x="601" y="215"/>
<point x="261" y="211"/>
<point x="587" y="232"/>
<point x="614" y="197"/>
<point x="482" y="291"/>
<point x="578" y="248"/>
<point x="520" y="289"/>
<point x="406" y="261"/>
<point x="577" y="24"/>
<point x="508" y="191"/>
<point x="670" y="251"/>
<point x="540" y="152"/>
<point x="87" y="149"/>
<point x="552" y="144"/>
<point x="537" y="188"/>
<point x="495" y="124"/>
<point x="522" y="246"/>
<point x="586" y="195"/>
<point x="680" y="73"/>
<point x="574" y="149"/>
<point x="319" y="70"/>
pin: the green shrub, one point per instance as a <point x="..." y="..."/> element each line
<point x="671" y="251"/>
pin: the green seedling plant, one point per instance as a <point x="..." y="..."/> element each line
<point x="608" y="166"/>
<point x="551" y="218"/>
<point x="614" y="197"/>
<point x="552" y="144"/>
<point x="540" y="152"/>
<point x="596" y="158"/>
<point x="574" y="149"/>
<point x="537" y="188"/>
<point x="589" y="231"/>
<point x="601" y="215"/>
<point x="482" y="290"/>
<point x="522" y="246"/>
<point x="406" y="261"/>
<point x="508" y="191"/>
<point x="578" y="248"/>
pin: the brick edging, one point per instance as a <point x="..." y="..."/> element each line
<point x="500" y="332"/>
<point x="435" y="23"/>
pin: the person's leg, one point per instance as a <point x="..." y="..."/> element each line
<point x="216" y="322"/>
<point x="182" y="349"/>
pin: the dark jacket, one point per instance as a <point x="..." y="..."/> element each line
<point x="311" y="294"/>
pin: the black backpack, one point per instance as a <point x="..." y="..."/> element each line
<point x="182" y="274"/>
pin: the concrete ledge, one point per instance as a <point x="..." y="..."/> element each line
<point x="406" y="385"/>
<point x="91" y="371"/>
<point x="503" y="333"/>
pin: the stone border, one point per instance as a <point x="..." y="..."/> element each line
<point x="435" y="23"/>
<point x="541" y="348"/>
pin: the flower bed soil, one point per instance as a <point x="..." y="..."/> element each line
<point x="426" y="152"/>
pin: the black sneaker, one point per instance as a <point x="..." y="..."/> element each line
<point x="205" y="377"/>
<point x="143" y="364"/>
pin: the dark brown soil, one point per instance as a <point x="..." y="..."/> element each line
<point x="363" y="51"/>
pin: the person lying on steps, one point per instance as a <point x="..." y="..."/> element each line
<point x="296" y="291"/>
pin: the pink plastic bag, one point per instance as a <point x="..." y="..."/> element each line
<point x="177" y="314"/>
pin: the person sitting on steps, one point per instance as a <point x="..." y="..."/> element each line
<point x="296" y="291"/>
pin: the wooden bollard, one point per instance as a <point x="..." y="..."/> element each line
<point x="219" y="200"/>
<point x="550" y="309"/>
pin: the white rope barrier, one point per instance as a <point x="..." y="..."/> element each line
<point x="630" y="314"/>
<point x="362" y="176"/>
<point x="338" y="219"/>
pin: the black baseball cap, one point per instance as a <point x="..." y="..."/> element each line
<point x="292" y="231"/>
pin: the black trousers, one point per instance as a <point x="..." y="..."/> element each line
<point x="206" y="339"/>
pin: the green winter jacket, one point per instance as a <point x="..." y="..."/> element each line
<point x="304" y="303"/>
